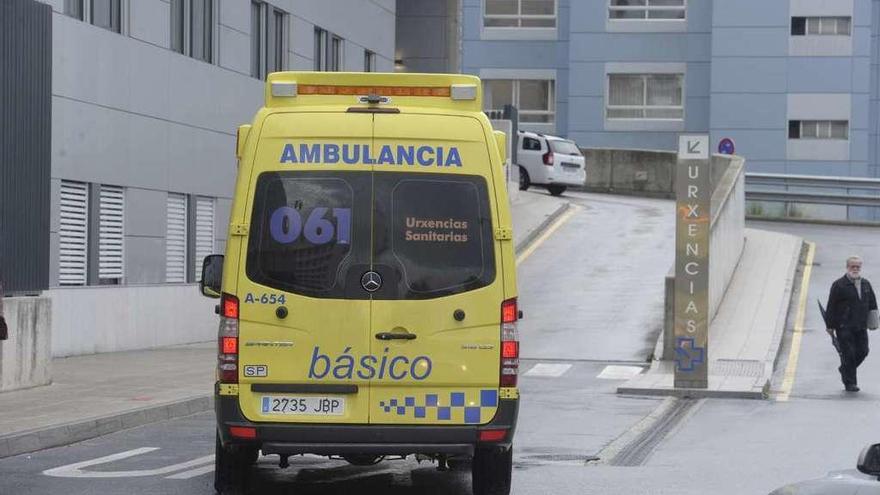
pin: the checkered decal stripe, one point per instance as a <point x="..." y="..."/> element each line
<point x="430" y="406"/>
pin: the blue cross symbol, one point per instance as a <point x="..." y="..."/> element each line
<point x="687" y="355"/>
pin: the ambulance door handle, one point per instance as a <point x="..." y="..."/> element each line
<point x="395" y="336"/>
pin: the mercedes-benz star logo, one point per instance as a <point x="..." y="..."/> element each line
<point x="371" y="281"/>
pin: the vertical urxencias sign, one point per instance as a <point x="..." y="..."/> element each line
<point x="692" y="221"/>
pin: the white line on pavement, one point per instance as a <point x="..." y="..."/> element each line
<point x="192" y="473"/>
<point x="613" y="372"/>
<point x="547" y="369"/>
<point x="76" y="470"/>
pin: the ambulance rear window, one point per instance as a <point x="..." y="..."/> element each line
<point x="434" y="232"/>
<point x="303" y="234"/>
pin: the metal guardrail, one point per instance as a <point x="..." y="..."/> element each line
<point x="856" y="189"/>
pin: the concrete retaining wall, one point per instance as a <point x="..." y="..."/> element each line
<point x="26" y="358"/>
<point x="89" y="320"/>
<point x="638" y="172"/>
<point x="727" y="231"/>
<point x="634" y="172"/>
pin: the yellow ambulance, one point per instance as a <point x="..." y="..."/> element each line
<point x="368" y="291"/>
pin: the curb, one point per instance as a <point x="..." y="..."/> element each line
<point x="798" y="263"/>
<point x="77" y="431"/>
<point x="534" y="234"/>
<point x="56" y="436"/>
<point x="761" y="387"/>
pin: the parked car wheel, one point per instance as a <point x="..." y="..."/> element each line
<point x="524" y="180"/>
<point x="556" y="190"/>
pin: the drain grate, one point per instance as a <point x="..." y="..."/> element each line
<point x="737" y="367"/>
<point x="638" y="451"/>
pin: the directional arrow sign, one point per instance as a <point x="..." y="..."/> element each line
<point x="693" y="147"/>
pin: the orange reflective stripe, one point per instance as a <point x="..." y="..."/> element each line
<point x="323" y="89"/>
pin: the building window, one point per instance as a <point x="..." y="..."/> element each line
<point x="204" y="233"/>
<point x="369" y="61"/>
<point x="268" y="35"/>
<point x="201" y="33"/>
<point x="645" y="96"/>
<point x="818" y="129"/>
<point x="821" y="26"/>
<point x="320" y="49"/>
<point x="111" y="235"/>
<point x="74" y="8"/>
<point x="519" y="13"/>
<point x="334" y="58"/>
<point x="257" y="50"/>
<point x="534" y="98"/>
<point x="192" y="28"/>
<point x="646" y="9"/>
<point x="102" y="13"/>
<point x="175" y="238"/>
<point x="275" y="40"/>
<point x="73" y="234"/>
<point x="106" y="14"/>
<point x="177" y="25"/>
<point x="328" y="51"/>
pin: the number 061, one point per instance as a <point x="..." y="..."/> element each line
<point x="286" y="225"/>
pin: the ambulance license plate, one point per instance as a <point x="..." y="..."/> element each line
<point x="312" y="406"/>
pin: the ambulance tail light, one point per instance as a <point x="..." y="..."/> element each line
<point x="548" y="158"/>
<point x="227" y="356"/>
<point x="245" y="432"/>
<point x="492" y="435"/>
<point x="509" y="344"/>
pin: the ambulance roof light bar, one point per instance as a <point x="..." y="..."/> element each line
<point x="454" y="91"/>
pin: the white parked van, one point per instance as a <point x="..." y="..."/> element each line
<point x="549" y="161"/>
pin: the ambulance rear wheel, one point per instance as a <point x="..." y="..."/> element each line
<point x="524" y="180"/>
<point x="556" y="190"/>
<point x="231" y="466"/>
<point x="491" y="470"/>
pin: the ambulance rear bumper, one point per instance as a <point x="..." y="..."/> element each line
<point x="330" y="439"/>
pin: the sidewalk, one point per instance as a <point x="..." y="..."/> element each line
<point x="746" y="334"/>
<point x="95" y="395"/>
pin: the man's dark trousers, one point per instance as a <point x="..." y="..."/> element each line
<point x="853" y="350"/>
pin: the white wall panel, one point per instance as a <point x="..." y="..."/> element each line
<point x="107" y="319"/>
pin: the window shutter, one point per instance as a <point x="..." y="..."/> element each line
<point x="204" y="232"/>
<point x="175" y="239"/>
<point x="111" y="233"/>
<point x="73" y="233"/>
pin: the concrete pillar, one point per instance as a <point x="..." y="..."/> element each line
<point x="26" y="357"/>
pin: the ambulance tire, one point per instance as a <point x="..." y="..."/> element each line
<point x="491" y="471"/>
<point x="556" y="190"/>
<point x="524" y="180"/>
<point x="459" y="463"/>
<point x="231" y="467"/>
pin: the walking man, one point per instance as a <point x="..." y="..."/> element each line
<point x="849" y="302"/>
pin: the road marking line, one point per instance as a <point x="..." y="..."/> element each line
<point x="798" y="334"/>
<point x="613" y="372"/>
<point x="547" y="233"/>
<point x="547" y="369"/>
<point x="192" y="473"/>
<point x="76" y="470"/>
